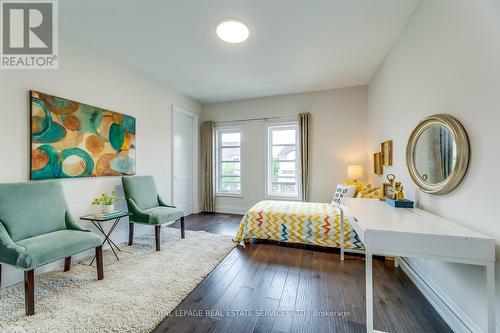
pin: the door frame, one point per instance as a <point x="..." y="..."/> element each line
<point x="194" y="177"/>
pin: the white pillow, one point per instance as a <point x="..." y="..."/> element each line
<point x="343" y="191"/>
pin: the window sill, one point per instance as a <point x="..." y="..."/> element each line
<point x="228" y="195"/>
<point x="283" y="198"/>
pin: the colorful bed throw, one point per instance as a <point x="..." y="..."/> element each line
<point x="297" y="222"/>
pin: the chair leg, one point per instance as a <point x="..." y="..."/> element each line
<point x="67" y="264"/>
<point x="29" y="292"/>
<point x="130" y="233"/>
<point x="182" y="228"/>
<point x="157" y="236"/>
<point x="100" y="264"/>
<point x="0" y="276"/>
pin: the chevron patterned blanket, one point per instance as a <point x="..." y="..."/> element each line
<point x="297" y="222"/>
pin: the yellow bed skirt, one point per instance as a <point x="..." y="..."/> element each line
<point x="297" y="222"/>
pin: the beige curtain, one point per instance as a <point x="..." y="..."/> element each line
<point x="305" y="130"/>
<point x="207" y="165"/>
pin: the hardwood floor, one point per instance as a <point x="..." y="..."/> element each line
<point x="271" y="288"/>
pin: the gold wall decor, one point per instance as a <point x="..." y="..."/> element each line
<point x="378" y="168"/>
<point x="437" y="154"/>
<point x="386" y="149"/>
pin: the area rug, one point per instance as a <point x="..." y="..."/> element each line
<point x="136" y="294"/>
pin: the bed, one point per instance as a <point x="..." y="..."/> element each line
<point x="299" y="222"/>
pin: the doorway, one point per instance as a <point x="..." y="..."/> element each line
<point x="184" y="160"/>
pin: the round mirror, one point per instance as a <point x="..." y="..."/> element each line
<point x="437" y="154"/>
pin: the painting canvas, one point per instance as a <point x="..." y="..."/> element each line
<point x="71" y="139"/>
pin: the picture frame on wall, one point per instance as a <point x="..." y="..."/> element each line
<point x="71" y="139"/>
<point x="378" y="168"/>
<point x="386" y="149"/>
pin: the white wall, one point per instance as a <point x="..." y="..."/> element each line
<point x="88" y="77"/>
<point x="338" y="139"/>
<point x="447" y="60"/>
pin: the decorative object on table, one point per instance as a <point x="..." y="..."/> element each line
<point x="71" y="139"/>
<point x="386" y="149"/>
<point x="437" y="154"/>
<point x="343" y="191"/>
<point x="107" y="201"/>
<point x="97" y="219"/>
<point x="147" y="207"/>
<point x="388" y="187"/>
<point x="398" y="191"/>
<point x="37" y="228"/>
<point x="378" y="168"/>
<point x="405" y="203"/>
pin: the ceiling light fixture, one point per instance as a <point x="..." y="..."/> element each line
<point x="232" y="31"/>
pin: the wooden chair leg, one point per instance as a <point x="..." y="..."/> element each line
<point x="130" y="233"/>
<point x="182" y="228"/>
<point x="100" y="263"/>
<point x="67" y="264"/>
<point x="29" y="292"/>
<point x="157" y="236"/>
<point x="0" y="276"/>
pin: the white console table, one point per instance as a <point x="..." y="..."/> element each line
<point x="400" y="232"/>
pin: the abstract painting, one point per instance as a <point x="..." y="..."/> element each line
<point x="71" y="139"/>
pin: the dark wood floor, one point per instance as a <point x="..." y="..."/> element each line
<point x="271" y="288"/>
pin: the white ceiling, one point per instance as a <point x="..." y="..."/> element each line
<point x="294" y="45"/>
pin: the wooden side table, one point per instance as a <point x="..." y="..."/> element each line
<point x="97" y="222"/>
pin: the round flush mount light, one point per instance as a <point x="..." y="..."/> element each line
<point x="232" y="31"/>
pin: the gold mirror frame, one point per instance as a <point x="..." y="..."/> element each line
<point x="463" y="154"/>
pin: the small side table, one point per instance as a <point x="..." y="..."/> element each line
<point x="97" y="220"/>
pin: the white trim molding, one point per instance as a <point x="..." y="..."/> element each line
<point x="451" y="313"/>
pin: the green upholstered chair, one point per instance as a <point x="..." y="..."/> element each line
<point x="147" y="207"/>
<point x="36" y="228"/>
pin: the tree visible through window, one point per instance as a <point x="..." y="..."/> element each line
<point x="282" y="164"/>
<point x="228" y="161"/>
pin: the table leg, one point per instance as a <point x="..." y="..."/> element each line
<point x="490" y="285"/>
<point x="369" y="291"/>
<point x="107" y="238"/>
<point x="341" y="234"/>
<point x="109" y="234"/>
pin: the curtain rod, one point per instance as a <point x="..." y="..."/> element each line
<point x="255" y="119"/>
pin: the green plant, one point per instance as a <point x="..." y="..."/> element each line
<point x="106" y="199"/>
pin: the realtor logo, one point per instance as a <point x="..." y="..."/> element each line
<point x="29" y="35"/>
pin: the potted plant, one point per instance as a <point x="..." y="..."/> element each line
<point x="107" y="201"/>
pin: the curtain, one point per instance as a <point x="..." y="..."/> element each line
<point x="304" y="132"/>
<point x="207" y="165"/>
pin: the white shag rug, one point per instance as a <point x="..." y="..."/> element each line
<point x="136" y="294"/>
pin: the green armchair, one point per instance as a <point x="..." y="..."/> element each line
<point x="36" y="228"/>
<point x="147" y="207"/>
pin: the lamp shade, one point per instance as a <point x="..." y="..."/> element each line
<point x="354" y="171"/>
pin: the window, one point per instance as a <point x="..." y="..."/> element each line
<point x="283" y="161"/>
<point x="228" y="161"/>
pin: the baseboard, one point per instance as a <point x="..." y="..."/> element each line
<point x="229" y="209"/>
<point x="451" y="313"/>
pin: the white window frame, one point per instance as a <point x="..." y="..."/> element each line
<point x="269" y="161"/>
<point x="218" y="163"/>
